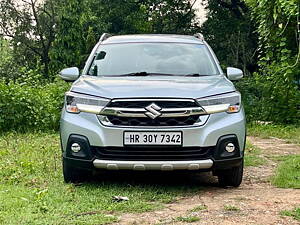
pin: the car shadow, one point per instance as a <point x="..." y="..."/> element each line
<point x="156" y="178"/>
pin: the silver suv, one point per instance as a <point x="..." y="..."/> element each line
<point x="153" y="102"/>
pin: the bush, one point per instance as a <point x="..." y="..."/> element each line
<point x="31" y="106"/>
<point x="271" y="98"/>
<point x="251" y="96"/>
<point x="279" y="65"/>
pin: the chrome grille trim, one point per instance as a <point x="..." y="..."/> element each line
<point x="140" y="112"/>
<point x="153" y="99"/>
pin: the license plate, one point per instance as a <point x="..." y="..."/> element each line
<point x="152" y="138"/>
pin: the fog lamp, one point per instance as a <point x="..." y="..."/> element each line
<point x="75" y="147"/>
<point x="230" y="147"/>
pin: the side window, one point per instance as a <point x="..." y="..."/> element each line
<point x="95" y="66"/>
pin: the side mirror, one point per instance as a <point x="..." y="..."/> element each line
<point x="234" y="73"/>
<point x="69" y="74"/>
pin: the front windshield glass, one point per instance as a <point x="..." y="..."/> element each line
<point x="152" y="58"/>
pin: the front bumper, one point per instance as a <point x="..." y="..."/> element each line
<point x="210" y="158"/>
<point x="93" y="136"/>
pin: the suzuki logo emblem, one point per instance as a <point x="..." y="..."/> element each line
<point x="153" y="111"/>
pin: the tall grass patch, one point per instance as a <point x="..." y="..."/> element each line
<point x="291" y="133"/>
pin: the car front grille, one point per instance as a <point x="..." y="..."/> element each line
<point x="163" y="121"/>
<point x="148" y="153"/>
<point x="170" y="113"/>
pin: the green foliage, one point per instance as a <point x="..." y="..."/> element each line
<point x="75" y="34"/>
<point x="251" y="95"/>
<point x="287" y="174"/>
<point x="172" y="16"/>
<point x="31" y="105"/>
<point x="121" y="17"/>
<point x="8" y="69"/>
<point x="270" y="98"/>
<point x="279" y="49"/>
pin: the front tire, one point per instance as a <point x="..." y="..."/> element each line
<point x="74" y="175"/>
<point x="232" y="177"/>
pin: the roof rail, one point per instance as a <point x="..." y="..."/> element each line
<point x="199" y="36"/>
<point x="104" y="36"/>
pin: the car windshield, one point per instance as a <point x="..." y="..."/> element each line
<point x="153" y="58"/>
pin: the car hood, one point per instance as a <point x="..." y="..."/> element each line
<point x="153" y="86"/>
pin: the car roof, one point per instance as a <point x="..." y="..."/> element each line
<point x="139" y="38"/>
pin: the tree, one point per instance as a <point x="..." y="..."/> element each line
<point x="122" y="17"/>
<point x="230" y="31"/>
<point x="7" y="69"/>
<point x="30" y="26"/>
<point x="69" y="47"/>
<point x="169" y="16"/>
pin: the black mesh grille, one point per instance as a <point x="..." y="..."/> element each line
<point x="153" y="153"/>
<point x="160" y="121"/>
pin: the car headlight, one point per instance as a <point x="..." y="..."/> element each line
<point x="230" y="103"/>
<point x="76" y="103"/>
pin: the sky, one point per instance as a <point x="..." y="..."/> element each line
<point x="200" y="11"/>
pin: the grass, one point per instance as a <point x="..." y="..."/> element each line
<point x="32" y="190"/>
<point x="199" y="208"/>
<point x="294" y="213"/>
<point x="252" y="155"/>
<point x="287" y="174"/>
<point x="187" y="219"/>
<point x="288" y="132"/>
<point x="231" y="208"/>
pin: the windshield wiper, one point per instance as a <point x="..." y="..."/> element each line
<point x="143" y="74"/>
<point x="156" y="74"/>
<point x="195" y="75"/>
<point x="129" y="74"/>
<point x="136" y="74"/>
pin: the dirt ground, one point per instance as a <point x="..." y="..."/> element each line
<point x="256" y="200"/>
